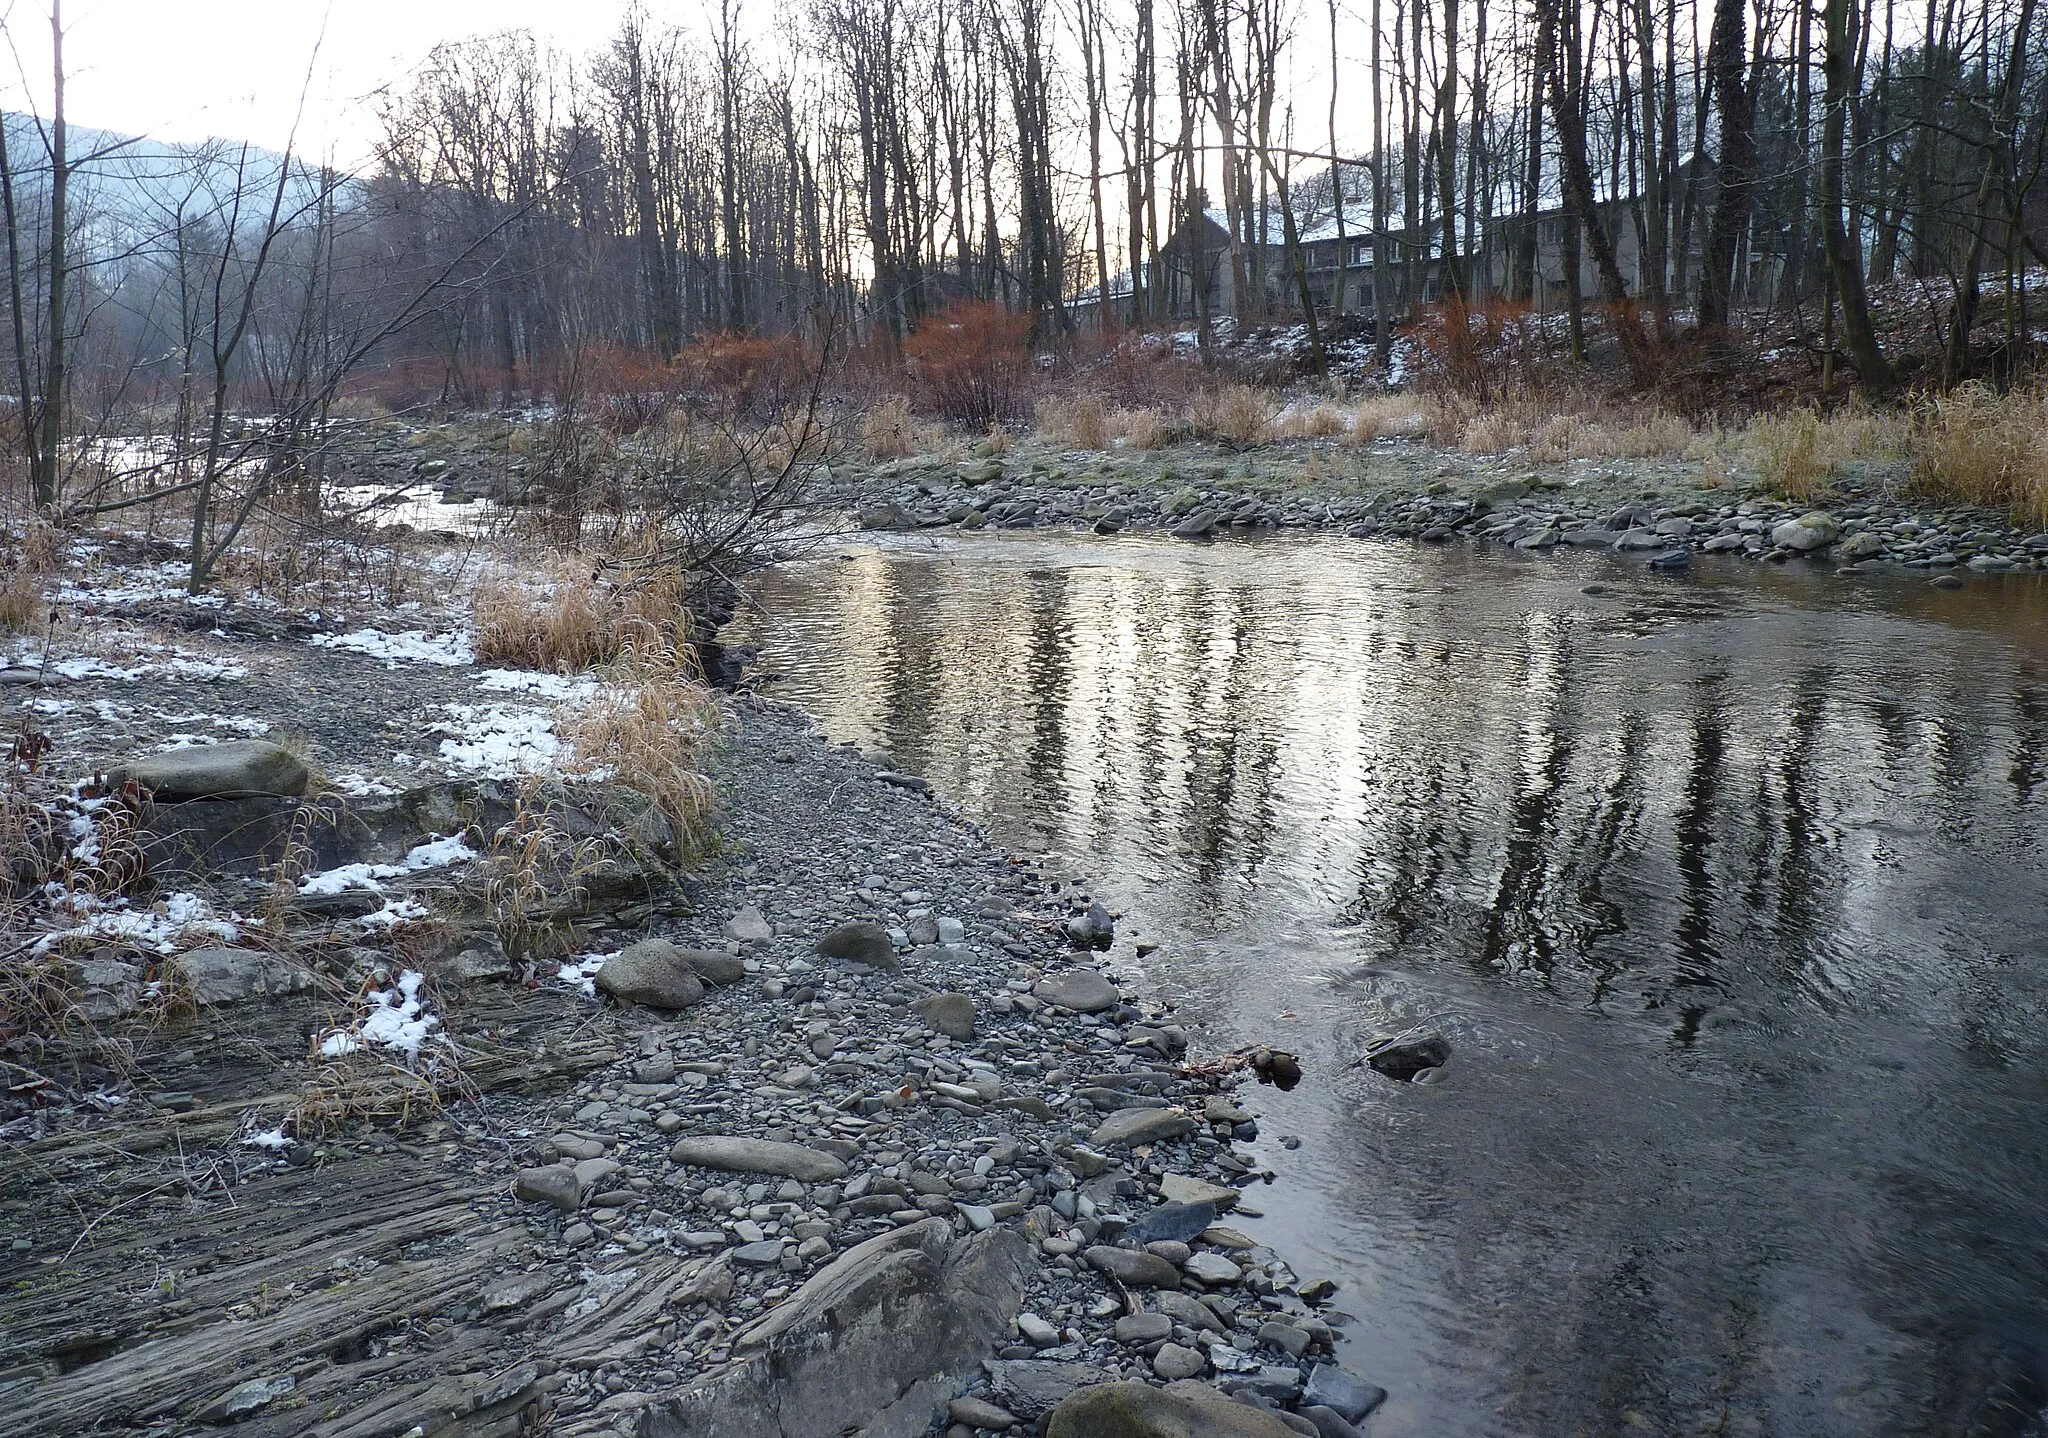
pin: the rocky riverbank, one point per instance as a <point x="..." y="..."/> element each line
<point x="844" y="1126"/>
<point x="1659" y="510"/>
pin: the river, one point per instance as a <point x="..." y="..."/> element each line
<point x="1727" y="891"/>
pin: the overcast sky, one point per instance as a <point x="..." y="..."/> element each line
<point x="190" y="69"/>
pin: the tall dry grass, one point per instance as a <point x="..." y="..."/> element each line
<point x="1083" y="423"/>
<point x="575" y="614"/>
<point x="1798" y="453"/>
<point x="1233" y="414"/>
<point x="1984" y="448"/>
<point x="31" y="557"/>
<point x="648" y="728"/>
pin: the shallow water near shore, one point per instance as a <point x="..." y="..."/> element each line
<point x="1728" y="892"/>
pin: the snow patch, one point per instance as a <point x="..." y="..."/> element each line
<point x="413" y="646"/>
<point x="395" y="1018"/>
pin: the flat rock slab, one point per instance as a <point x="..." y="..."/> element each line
<point x="1181" y="1188"/>
<point x="732" y="1154"/>
<point x="233" y="976"/>
<point x="1142" y="1125"/>
<point x="749" y="926"/>
<point x="883" y="1335"/>
<point x="1180" y="1410"/>
<point x="1342" y="1391"/>
<point x="237" y="769"/>
<point x="1082" y="990"/>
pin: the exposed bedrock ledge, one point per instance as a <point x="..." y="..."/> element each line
<point x="877" y="1340"/>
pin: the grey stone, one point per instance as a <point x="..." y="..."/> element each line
<point x="1142" y="1125"/>
<point x="759" y="1255"/>
<point x="1174" y="1361"/>
<point x="714" y="967"/>
<point x="231" y="976"/>
<point x="1199" y="525"/>
<point x="949" y="1014"/>
<point x="1036" y="1331"/>
<point x="859" y="942"/>
<point x="1082" y="990"/>
<point x="1813" y="530"/>
<point x="245" y="1398"/>
<point x="110" y="988"/>
<point x="980" y="1413"/>
<point x="1284" y="1336"/>
<point x="1328" y="1422"/>
<point x="1343" y="1391"/>
<point x="554" y="1185"/>
<point x="1033" y="1387"/>
<point x="1132" y="1267"/>
<point x="749" y="926"/>
<point x="732" y="1154"/>
<point x="1184" y="1409"/>
<point x="1185" y="1309"/>
<point x="1183" y="1222"/>
<point x="1140" y="1328"/>
<point x="652" y="972"/>
<point x="237" y="769"/>
<point x="1213" y="1269"/>
<point x="1183" y="1188"/>
<point x="887" y="1332"/>
<point x="1859" y="546"/>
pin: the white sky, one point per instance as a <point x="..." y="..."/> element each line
<point x="191" y="69"/>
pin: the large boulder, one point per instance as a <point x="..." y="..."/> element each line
<point x="1180" y="1410"/>
<point x="878" y="1339"/>
<point x="237" y="769"/>
<point x="1136" y="1126"/>
<point x="859" y="942"/>
<point x="1816" y="529"/>
<point x="732" y="1154"/>
<point x="653" y="972"/>
<point x="1082" y="990"/>
<point x="233" y="976"/>
<point x="949" y="1014"/>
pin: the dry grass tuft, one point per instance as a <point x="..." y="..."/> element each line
<point x="1389" y="416"/>
<point x="887" y="431"/>
<point x="1318" y="421"/>
<point x="1083" y="423"/>
<point x="30" y="559"/>
<point x="1796" y="453"/>
<point x="576" y="615"/>
<point x="1235" y="414"/>
<point x="1980" y="447"/>
<point x="648" y="730"/>
<point x="1146" y="429"/>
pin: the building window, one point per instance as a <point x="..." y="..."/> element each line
<point x="1361" y="252"/>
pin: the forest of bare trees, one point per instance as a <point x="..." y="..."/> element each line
<point x="1666" y="166"/>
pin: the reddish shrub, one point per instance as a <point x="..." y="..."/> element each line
<point x="742" y="373"/>
<point x="1476" y="348"/>
<point x="970" y="361"/>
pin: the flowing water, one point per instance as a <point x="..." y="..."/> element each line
<point x="1728" y="892"/>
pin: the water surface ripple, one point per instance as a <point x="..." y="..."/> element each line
<point x="1729" y="893"/>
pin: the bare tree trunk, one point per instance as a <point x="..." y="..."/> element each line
<point x="56" y="376"/>
<point x="1845" y="259"/>
<point x="1725" y="55"/>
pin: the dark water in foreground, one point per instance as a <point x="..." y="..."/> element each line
<point x="1729" y="893"/>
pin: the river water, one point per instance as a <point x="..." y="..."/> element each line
<point x="1728" y="892"/>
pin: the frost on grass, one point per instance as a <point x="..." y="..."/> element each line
<point x="413" y="646"/>
<point x="394" y="1018"/>
<point x="434" y="854"/>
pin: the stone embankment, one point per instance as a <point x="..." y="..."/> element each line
<point x="1401" y="494"/>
